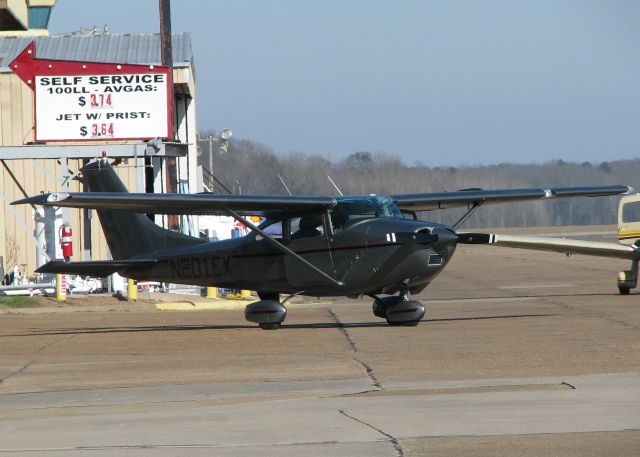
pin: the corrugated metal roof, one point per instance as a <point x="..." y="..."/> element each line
<point x="131" y="48"/>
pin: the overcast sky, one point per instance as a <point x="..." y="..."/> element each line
<point x="437" y="82"/>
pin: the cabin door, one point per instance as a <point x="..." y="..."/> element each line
<point x="308" y="239"/>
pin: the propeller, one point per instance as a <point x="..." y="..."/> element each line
<point x="476" y="238"/>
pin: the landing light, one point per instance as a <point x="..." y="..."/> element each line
<point x="226" y="134"/>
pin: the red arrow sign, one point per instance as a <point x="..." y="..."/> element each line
<point x="90" y="101"/>
<point x="26" y="66"/>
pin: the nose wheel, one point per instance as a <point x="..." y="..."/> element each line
<point x="399" y="310"/>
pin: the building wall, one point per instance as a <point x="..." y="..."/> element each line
<point x="16" y="111"/>
<point x="17" y="243"/>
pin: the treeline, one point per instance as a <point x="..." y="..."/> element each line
<point x="252" y="168"/>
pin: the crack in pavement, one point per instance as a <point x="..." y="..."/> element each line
<point x="37" y="351"/>
<point x="370" y="373"/>
<point x="374" y="380"/>
<point x="392" y="439"/>
<point x="25" y="366"/>
<point x="343" y="329"/>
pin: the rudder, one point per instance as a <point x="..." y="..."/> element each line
<point x="129" y="234"/>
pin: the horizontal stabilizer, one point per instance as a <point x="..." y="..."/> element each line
<point x="99" y="268"/>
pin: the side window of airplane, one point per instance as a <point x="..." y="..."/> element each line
<point x="274" y="230"/>
<point x="306" y="227"/>
<point x="631" y="212"/>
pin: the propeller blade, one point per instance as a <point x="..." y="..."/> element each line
<point x="475" y="238"/>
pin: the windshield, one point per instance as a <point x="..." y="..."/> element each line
<point x="350" y="210"/>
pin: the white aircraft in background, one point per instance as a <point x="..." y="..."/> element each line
<point x="627" y="248"/>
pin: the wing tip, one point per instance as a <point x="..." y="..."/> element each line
<point x="49" y="199"/>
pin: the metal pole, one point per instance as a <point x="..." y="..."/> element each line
<point x="166" y="51"/>
<point x="210" y="154"/>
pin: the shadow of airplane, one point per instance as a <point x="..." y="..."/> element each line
<point x="432" y="299"/>
<point x="285" y="327"/>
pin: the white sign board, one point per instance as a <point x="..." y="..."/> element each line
<point x="101" y="107"/>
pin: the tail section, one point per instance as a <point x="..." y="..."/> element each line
<point x="629" y="219"/>
<point x="129" y="234"/>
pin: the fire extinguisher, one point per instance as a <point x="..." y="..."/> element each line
<point x="65" y="239"/>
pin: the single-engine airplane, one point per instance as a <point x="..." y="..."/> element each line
<point x="319" y="246"/>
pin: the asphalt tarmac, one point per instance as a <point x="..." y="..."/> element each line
<point x="521" y="353"/>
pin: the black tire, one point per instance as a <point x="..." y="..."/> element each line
<point x="270" y="326"/>
<point x="404" y="324"/>
<point x="624" y="290"/>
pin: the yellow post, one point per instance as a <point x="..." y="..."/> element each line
<point x="245" y="293"/>
<point x="132" y="289"/>
<point x="212" y="292"/>
<point x="61" y="287"/>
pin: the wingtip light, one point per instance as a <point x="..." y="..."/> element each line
<point x="57" y="197"/>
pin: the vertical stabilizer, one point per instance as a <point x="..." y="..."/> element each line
<point x="629" y="219"/>
<point x="129" y="234"/>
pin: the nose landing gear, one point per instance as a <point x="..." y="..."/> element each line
<point x="399" y="310"/>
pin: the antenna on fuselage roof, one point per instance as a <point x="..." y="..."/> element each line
<point x="284" y="184"/>
<point x="334" y="185"/>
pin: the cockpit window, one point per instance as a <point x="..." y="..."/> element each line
<point x="631" y="212"/>
<point x="351" y="210"/>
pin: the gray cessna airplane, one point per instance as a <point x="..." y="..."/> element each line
<point x="319" y="246"/>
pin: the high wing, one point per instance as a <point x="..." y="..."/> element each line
<point x="441" y="200"/>
<point x="202" y="203"/>
<point x="562" y="245"/>
<point x="263" y="205"/>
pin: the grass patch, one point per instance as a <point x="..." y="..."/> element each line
<point x="18" y="301"/>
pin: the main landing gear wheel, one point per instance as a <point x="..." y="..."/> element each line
<point x="268" y="314"/>
<point x="624" y="290"/>
<point x="381" y="305"/>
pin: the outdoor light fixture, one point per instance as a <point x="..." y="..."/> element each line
<point x="225" y="134"/>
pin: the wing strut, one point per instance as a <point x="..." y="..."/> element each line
<point x="281" y="246"/>
<point x="467" y="215"/>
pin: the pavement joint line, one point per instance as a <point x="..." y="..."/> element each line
<point x="588" y="313"/>
<point x="172" y="446"/>
<point x="393" y="440"/>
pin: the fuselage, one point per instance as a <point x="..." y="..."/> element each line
<point x="370" y="256"/>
